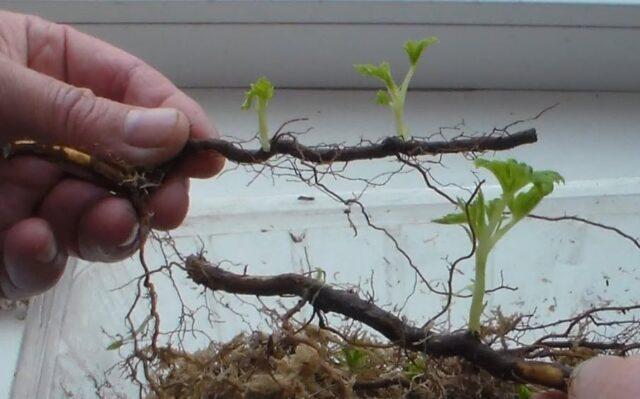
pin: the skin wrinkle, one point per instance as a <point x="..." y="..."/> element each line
<point x="43" y="69"/>
<point x="78" y="105"/>
<point x="67" y="230"/>
<point x="26" y="47"/>
<point x="4" y="46"/>
<point x="84" y="114"/>
<point x="13" y="51"/>
<point x="104" y="63"/>
<point x="66" y="103"/>
<point x="13" y="205"/>
<point x="136" y="78"/>
<point x="18" y="254"/>
<point x="16" y="189"/>
<point x="4" y="88"/>
<point x="65" y="58"/>
<point x="121" y="81"/>
<point x="52" y="40"/>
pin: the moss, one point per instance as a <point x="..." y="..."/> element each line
<point x="311" y="364"/>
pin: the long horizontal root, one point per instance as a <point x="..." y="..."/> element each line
<point x="327" y="299"/>
<point x="391" y="146"/>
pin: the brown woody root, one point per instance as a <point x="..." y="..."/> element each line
<point x="288" y="145"/>
<point x="77" y="162"/>
<point x="135" y="183"/>
<point x="125" y="179"/>
<point x="325" y="298"/>
<point x="114" y="175"/>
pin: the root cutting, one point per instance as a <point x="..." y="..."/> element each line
<point x="327" y="299"/>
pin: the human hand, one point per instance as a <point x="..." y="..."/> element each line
<point x="604" y="377"/>
<point x="60" y="86"/>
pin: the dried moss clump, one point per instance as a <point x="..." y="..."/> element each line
<point x="314" y="363"/>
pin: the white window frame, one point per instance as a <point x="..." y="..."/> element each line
<point x="513" y="45"/>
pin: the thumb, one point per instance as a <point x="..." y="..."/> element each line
<point x="38" y="107"/>
<point x="607" y="377"/>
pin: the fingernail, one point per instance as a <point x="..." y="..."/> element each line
<point x="48" y="253"/>
<point x="133" y="236"/>
<point x="150" y="128"/>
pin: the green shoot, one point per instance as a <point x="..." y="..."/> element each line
<point x="262" y="90"/>
<point x="115" y="344"/>
<point x="415" y="368"/>
<point x="321" y="275"/>
<point x="395" y="96"/>
<point x="354" y="358"/>
<point x="123" y="340"/>
<point x="524" y="392"/>
<point x="488" y="221"/>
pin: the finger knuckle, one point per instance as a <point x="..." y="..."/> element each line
<point x="73" y="108"/>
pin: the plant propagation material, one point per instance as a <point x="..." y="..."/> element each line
<point x="261" y="92"/>
<point x="368" y="351"/>
<point x="487" y="222"/>
<point x="395" y="96"/>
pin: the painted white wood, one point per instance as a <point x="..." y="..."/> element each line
<point x="504" y="12"/>
<point x="313" y="44"/>
<point x="11" y="332"/>
<point x="322" y="55"/>
<point x="591" y="138"/>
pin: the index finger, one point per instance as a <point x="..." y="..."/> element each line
<point x="85" y="61"/>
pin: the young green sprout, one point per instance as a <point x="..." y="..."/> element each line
<point x="395" y="96"/>
<point x="524" y="392"/>
<point x="354" y="358"/>
<point x="262" y="90"/>
<point x="488" y="221"/>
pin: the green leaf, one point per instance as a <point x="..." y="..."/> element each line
<point x="477" y="213"/>
<point x="452" y="218"/>
<point x="355" y="359"/>
<point x="382" y="97"/>
<point x="413" y="369"/>
<point x="262" y="89"/>
<point x="545" y="179"/>
<point x="524" y="392"/>
<point x="415" y="48"/>
<point x="511" y="174"/>
<point x="494" y="210"/>
<point x="525" y="202"/>
<point x="543" y="183"/>
<point x="382" y="72"/>
<point x="115" y="345"/>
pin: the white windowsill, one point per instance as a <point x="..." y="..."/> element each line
<point x="504" y="45"/>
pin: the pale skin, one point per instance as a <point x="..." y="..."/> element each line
<point x="604" y="377"/>
<point x="58" y="85"/>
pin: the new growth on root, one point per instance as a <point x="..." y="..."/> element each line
<point x="327" y="361"/>
<point x="486" y="221"/>
<point x="522" y="363"/>
<point x="323" y="298"/>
